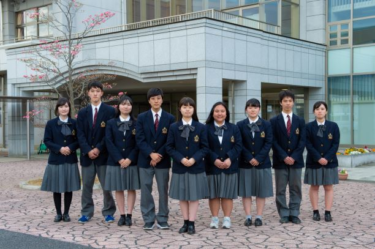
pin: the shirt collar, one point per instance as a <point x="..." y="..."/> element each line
<point x="122" y="120"/>
<point x="320" y="123"/>
<point x="65" y="121"/>
<point x="218" y="125"/>
<point x="159" y="112"/>
<point x="285" y="115"/>
<point x="256" y="120"/>
<point x="97" y="106"/>
<point x="187" y="123"/>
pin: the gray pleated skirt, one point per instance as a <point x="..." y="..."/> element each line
<point x="223" y="186"/>
<point x="61" y="178"/>
<point x="255" y="182"/>
<point x="189" y="187"/>
<point x="118" y="179"/>
<point x="322" y="176"/>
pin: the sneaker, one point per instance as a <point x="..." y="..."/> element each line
<point x="109" y="218"/>
<point x="84" y="219"/>
<point x="149" y="226"/>
<point x="162" y="225"/>
<point x="214" y="223"/>
<point x="226" y="223"/>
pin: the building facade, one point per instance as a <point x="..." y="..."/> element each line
<point x="211" y="50"/>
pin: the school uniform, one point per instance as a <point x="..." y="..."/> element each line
<point x="322" y="141"/>
<point x="285" y="145"/>
<point x="256" y="143"/>
<point x="120" y="142"/>
<point x="151" y="140"/>
<point x="188" y="140"/>
<point x="224" y="142"/>
<point x="61" y="174"/>
<point x="92" y="135"/>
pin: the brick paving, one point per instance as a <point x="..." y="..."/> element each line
<point x="32" y="212"/>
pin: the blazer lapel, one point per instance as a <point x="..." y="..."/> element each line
<point x="295" y="124"/>
<point x="212" y="130"/>
<point x="100" y="116"/>
<point x="89" y="115"/>
<point x="162" y="123"/>
<point x="150" y="121"/>
<point x="282" y="124"/>
<point x="248" y="130"/>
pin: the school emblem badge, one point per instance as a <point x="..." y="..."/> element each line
<point x="262" y="134"/>
<point x="232" y="139"/>
<point x="330" y="136"/>
<point x="164" y="130"/>
<point x="102" y="124"/>
<point x="297" y="131"/>
<point x="196" y="139"/>
<point x="133" y="131"/>
<point x="73" y="132"/>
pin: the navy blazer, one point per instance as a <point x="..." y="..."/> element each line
<point x="284" y="146"/>
<point x="93" y="137"/>
<point x="230" y="147"/>
<point x="196" y="147"/>
<point x="120" y="146"/>
<point x="55" y="140"/>
<point x="149" y="141"/>
<point x="322" y="147"/>
<point x="257" y="147"/>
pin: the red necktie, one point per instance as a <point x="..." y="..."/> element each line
<point x="156" y="121"/>
<point x="95" y="117"/>
<point x="288" y="125"/>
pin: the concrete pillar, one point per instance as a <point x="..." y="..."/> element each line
<point x="315" y="94"/>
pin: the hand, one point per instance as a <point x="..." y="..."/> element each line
<point x="254" y="162"/>
<point x="227" y="163"/>
<point x="92" y="154"/>
<point x="65" y="151"/>
<point x="219" y="164"/>
<point x="125" y="163"/>
<point x="323" y="161"/>
<point x="289" y="161"/>
<point x="153" y="163"/>
<point x="191" y="161"/>
<point x="156" y="157"/>
<point x="185" y="162"/>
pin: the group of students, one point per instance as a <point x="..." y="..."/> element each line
<point x="219" y="161"/>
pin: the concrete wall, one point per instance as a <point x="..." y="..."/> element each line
<point x="313" y="20"/>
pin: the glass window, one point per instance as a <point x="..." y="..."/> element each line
<point x="339" y="105"/>
<point x="231" y="3"/>
<point x="180" y="7"/>
<point x="233" y="12"/>
<point x="333" y="28"/>
<point x="244" y="2"/>
<point x="252" y="13"/>
<point x="290" y="19"/>
<point x="165" y="8"/>
<point x="363" y="8"/>
<point x="339" y="61"/>
<point x="364" y="59"/>
<point x="364" y="31"/>
<point x="213" y="4"/>
<point x="197" y="5"/>
<point x="364" y="109"/>
<point x="338" y="10"/>
<point x="333" y="43"/>
<point x="269" y="12"/>
<point x="150" y="9"/>
<point x="136" y="10"/>
<point x="332" y="35"/>
<point x="30" y="25"/>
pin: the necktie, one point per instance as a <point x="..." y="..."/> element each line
<point x="186" y="130"/>
<point x="65" y="130"/>
<point x="95" y="117"/>
<point x="124" y="126"/>
<point x="320" y="131"/>
<point x="156" y="122"/>
<point x="288" y="125"/>
<point x="219" y="130"/>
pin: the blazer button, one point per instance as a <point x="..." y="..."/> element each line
<point x="321" y="154"/>
<point x="288" y="142"/>
<point x="222" y="159"/>
<point x="288" y="150"/>
<point x="123" y="149"/>
<point x="187" y="148"/>
<point x="154" y="142"/>
<point x="92" y="146"/>
<point x="187" y="157"/>
<point x="322" y="145"/>
<point x="252" y="152"/>
<point x="252" y="143"/>
<point x="64" y="141"/>
<point x="221" y="148"/>
<point x="123" y="140"/>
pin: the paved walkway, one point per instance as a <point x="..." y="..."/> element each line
<point x="31" y="212"/>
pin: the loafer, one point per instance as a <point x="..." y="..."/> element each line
<point x="121" y="221"/>
<point x="183" y="229"/>
<point x="316" y="216"/>
<point x="258" y="222"/>
<point x="84" y="219"/>
<point x="109" y="218"/>
<point x="248" y="222"/>
<point x="128" y="221"/>
<point x="328" y="217"/>
<point x="66" y="217"/>
<point x="163" y="225"/>
<point x="58" y="218"/>
<point x="149" y="226"/>
<point x="191" y="229"/>
<point x="294" y="219"/>
<point x="284" y="219"/>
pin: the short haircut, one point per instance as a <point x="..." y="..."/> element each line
<point x="61" y="102"/>
<point x="152" y="92"/>
<point x="252" y="103"/>
<point x="284" y="94"/>
<point x="123" y="99"/>
<point x="211" y="119"/>
<point x="187" y="101"/>
<point x="95" y="84"/>
<point x="318" y="104"/>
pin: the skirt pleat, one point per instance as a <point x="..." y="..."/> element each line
<point x="61" y="178"/>
<point x="223" y="186"/>
<point x="189" y="187"/>
<point x="255" y="182"/>
<point x="120" y="179"/>
<point x="321" y="176"/>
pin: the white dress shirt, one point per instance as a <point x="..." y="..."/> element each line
<point x="286" y="118"/>
<point x="220" y="137"/>
<point x="251" y="121"/>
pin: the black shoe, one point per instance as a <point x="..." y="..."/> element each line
<point x="149" y="226"/>
<point x="191" y="229"/>
<point x="128" y="221"/>
<point x="121" y="221"/>
<point x="258" y="222"/>
<point x="294" y="219"/>
<point x="284" y="219"/>
<point x="163" y="225"/>
<point x="58" y="218"/>
<point x="183" y="229"/>
<point x="66" y="217"/>
<point x="248" y="222"/>
<point x="316" y="217"/>
<point x="328" y="217"/>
